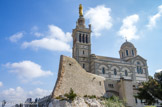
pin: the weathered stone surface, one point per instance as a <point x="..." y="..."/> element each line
<point x="72" y="75"/>
<point x="58" y="103"/>
<point x="78" y="102"/>
<point x="93" y="102"/>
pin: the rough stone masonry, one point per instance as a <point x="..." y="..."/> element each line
<point x="72" y="75"/>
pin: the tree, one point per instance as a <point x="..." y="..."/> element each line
<point x="151" y="90"/>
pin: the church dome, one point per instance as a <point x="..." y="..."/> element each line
<point x="127" y="50"/>
<point x="127" y="44"/>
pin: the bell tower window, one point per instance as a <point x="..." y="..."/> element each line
<point x="80" y="37"/>
<point x="86" y="38"/>
<point x="83" y="38"/>
<point x="127" y="52"/>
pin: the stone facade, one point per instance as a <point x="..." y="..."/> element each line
<point x="134" y="68"/>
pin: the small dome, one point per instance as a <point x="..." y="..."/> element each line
<point x="127" y="44"/>
<point x="127" y="50"/>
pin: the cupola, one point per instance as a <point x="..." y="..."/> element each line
<point x="127" y="50"/>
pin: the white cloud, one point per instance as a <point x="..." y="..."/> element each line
<point x="159" y="70"/>
<point x="14" y="95"/>
<point x="38" y="34"/>
<point x="57" y="33"/>
<point x="100" y="19"/>
<point x="38" y="93"/>
<point x="128" y="30"/>
<point x="34" y="31"/>
<point x="27" y="70"/>
<point x="49" y="44"/>
<point x="1" y="84"/>
<point x="16" y="37"/>
<point x="56" y="40"/>
<point x="153" y="19"/>
<point x="19" y="95"/>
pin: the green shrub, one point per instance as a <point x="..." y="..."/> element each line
<point x="61" y="98"/>
<point x="85" y="95"/>
<point x="90" y="96"/>
<point x="71" y="95"/>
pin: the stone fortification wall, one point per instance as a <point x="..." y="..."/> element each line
<point x="126" y="92"/>
<point x="72" y="75"/>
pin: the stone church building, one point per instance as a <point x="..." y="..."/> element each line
<point x="109" y="76"/>
<point x="129" y="65"/>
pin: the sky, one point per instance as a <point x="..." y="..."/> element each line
<point x="34" y="33"/>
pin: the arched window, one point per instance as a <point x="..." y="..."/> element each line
<point x="86" y="38"/>
<point x="103" y="70"/>
<point x="139" y="68"/>
<point x="115" y="72"/>
<point x="141" y="71"/>
<point x="138" y="63"/>
<point x="132" y="52"/>
<point x="126" y="73"/>
<point x="122" y="54"/>
<point x="127" y="52"/>
<point x="80" y="37"/>
<point x="83" y="38"/>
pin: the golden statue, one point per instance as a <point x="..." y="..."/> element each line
<point x="80" y="10"/>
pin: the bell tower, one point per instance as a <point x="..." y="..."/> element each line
<point x="82" y="41"/>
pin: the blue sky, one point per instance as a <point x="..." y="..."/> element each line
<point x="33" y="35"/>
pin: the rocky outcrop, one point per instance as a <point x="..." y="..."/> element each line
<point x="78" y="102"/>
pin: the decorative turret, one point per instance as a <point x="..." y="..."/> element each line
<point x="127" y="50"/>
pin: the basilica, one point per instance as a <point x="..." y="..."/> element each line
<point x="91" y="74"/>
<point x="130" y="65"/>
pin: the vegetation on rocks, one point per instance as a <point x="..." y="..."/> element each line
<point x="107" y="102"/>
<point x="71" y="95"/>
<point x="113" y="102"/>
<point x="90" y="96"/>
